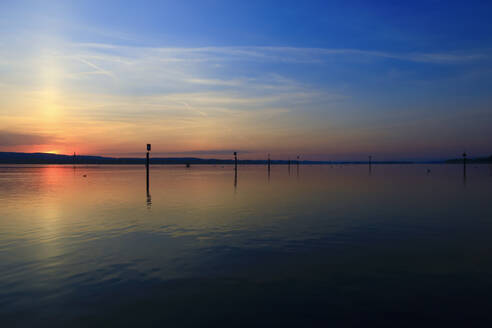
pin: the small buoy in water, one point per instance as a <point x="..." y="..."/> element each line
<point x="187" y="164"/>
<point x="428" y="171"/>
<point x="85" y="176"/>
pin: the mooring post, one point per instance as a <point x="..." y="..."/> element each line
<point x="268" y="162"/>
<point x="147" y="165"/>
<point x="235" y="171"/>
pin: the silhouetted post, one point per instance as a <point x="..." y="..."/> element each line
<point x="464" y="164"/>
<point x="268" y="162"/>
<point x="235" y="161"/>
<point x="147" y="165"/>
<point x="288" y="165"/>
<point x="235" y="180"/>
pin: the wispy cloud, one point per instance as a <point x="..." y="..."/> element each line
<point x="9" y="138"/>
<point x="284" y="54"/>
<point x="97" y="69"/>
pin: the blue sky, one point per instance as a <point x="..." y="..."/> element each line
<point x="327" y="79"/>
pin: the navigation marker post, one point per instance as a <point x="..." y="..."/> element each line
<point x="147" y="165"/>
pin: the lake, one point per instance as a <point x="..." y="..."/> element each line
<point x="321" y="245"/>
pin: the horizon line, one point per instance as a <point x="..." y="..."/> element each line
<point x="373" y="160"/>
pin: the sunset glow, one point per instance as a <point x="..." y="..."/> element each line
<point x="76" y="82"/>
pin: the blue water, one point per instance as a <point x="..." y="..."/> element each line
<point x="87" y="246"/>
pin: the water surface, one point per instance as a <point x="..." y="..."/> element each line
<point x="319" y="245"/>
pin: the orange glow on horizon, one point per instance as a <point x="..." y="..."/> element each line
<point x="46" y="150"/>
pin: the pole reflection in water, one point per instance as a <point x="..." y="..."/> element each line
<point x="235" y="179"/>
<point x="149" y="200"/>
<point x="149" y="197"/>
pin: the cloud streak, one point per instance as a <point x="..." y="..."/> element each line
<point x="283" y="54"/>
<point x="8" y="139"/>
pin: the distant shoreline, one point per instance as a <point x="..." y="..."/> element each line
<point x="45" y="158"/>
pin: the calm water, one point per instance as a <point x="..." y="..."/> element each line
<point x="319" y="246"/>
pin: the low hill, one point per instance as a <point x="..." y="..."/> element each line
<point x="480" y="160"/>
<point x="44" y="158"/>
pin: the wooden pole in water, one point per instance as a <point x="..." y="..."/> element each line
<point x="147" y="165"/>
<point x="268" y="162"/>
<point x="235" y="171"/>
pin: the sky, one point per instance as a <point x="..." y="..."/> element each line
<point x="326" y="80"/>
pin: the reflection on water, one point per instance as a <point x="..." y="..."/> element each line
<point x="149" y="199"/>
<point x="235" y="179"/>
<point x="328" y="245"/>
